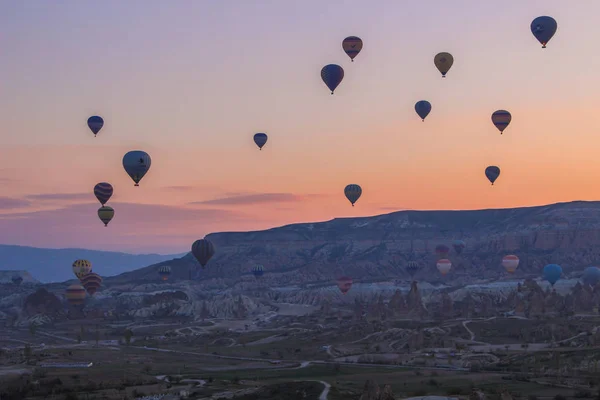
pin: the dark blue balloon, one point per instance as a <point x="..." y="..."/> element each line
<point x="136" y="163"/>
<point x="423" y="108"/>
<point x="591" y="276"/>
<point x="552" y="273"/>
<point x="95" y="123"/>
<point x="492" y="172"/>
<point x="260" y="139"/>
<point x="332" y="75"/>
<point x="543" y="28"/>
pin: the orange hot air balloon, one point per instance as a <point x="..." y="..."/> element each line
<point x="344" y="284"/>
<point x="444" y="265"/>
<point x="91" y="282"/>
<point x="510" y="263"/>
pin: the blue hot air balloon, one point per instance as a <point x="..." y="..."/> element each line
<point x="591" y="276"/>
<point x="423" y="108"/>
<point x="260" y="139"/>
<point x="412" y="267"/>
<point x="543" y="28"/>
<point x="492" y="173"/>
<point x="332" y="75"/>
<point x="258" y="270"/>
<point x="136" y="164"/>
<point x="552" y="273"/>
<point x="95" y="123"/>
<point x="353" y="193"/>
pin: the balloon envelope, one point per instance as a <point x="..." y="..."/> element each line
<point x="103" y="192"/>
<point x="164" y="271"/>
<point x="510" y="263"/>
<point x="352" y="45"/>
<point x="423" y="108"/>
<point x="17" y="280"/>
<point x="344" y="284"/>
<point x="91" y="282"/>
<point x="203" y="250"/>
<point x="258" y="270"/>
<point x="501" y="119"/>
<point x="260" y="139"/>
<point x="443" y="62"/>
<point x="552" y="273"/>
<point x="75" y="294"/>
<point x="444" y="265"/>
<point x="591" y="276"/>
<point x="543" y="28"/>
<point x="412" y="267"/>
<point x="459" y="246"/>
<point x="442" y="250"/>
<point x="353" y="193"/>
<point x="95" y="123"/>
<point x="332" y="75"/>
<point x="106" y="214"/>
<point x="492" y="172"/>
<point x="81" y="268"/>
<point x="136" y="164"/>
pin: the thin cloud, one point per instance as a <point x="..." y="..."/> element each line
<point x="180" y="188"/>
<point x="60" y="196"/>
<point x="9" y="203"/>
<point x="254" y="199"/>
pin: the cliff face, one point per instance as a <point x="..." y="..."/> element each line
<point x="379" y="247"/>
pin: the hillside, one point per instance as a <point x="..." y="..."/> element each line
<point x="377" y="248"/>
<point x="54" y="265"/>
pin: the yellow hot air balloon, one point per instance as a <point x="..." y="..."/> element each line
<point x="444" y="265"/>
<point x="510" y="263"/>
<point x="443" y="62"/>
<point x="106" y="213"/>
<point x="82" y="268"/>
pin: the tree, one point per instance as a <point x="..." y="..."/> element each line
<point x="128" y="334"/>
<point x="97" y="335"/>
<point x="32" y="329"/>
<point x="27" y="352"/>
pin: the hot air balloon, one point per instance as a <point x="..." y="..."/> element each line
<point x="510" y="263"/>
<point x="95" y="123"/>
<point x="332" y="75"/>
<point x="353" y="193"/>
<point x="260" y="139"/>
<point x="164" y="271"/>
<point x="91" y="282"/>
<point x="81" y="268"/>
<point x="344" y="284"/>
<point x="501" y="119"/>
<point x="591" y="276"/>
<point x="443" y="62"/>
<point x="136" y="164"/>
<point x="17" y="280"/>
<point x="423" y="108"/>
<point x="442" y="250"/>
<point x="203" y="250"/>
<point x="543" y="28"/>
<point x="412" y="267"/>
<point x="459" y="246"/>
<point x="492" y="172"/>
<point x="106" y="213"/>
<point x="258" y="270"/>
<point x="552" y="273"/>
<point x="75" y="294"/>
<point x="103" y="191"/>
<point x="352" y="45"/>
<point x="444" y="265"/>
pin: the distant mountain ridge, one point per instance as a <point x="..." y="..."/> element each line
<point x="54" y="265"/>
<point x="378" y="247"/>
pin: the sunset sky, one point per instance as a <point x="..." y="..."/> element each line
<point x="190" y="82"/>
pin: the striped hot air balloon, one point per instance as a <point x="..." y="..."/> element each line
<point x="203" y="250"/>
<point x="103" y="192"/>
<point x="501" y="119"/>
<point x="81" y="268"/>
<point x="91" y="282"/>
<point x="106" y="214"/>
<point x="258" y="270"/>
<point x="444" y="265"/>
<point x="353" y="193"/>
<point x="75" y="294"/>
<point x="164" y="271"/>
<point x="352" y="45"/>
<point x="510" y="263"/>
<point x="442" y="250"/>
<point x="412" y="267"/>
